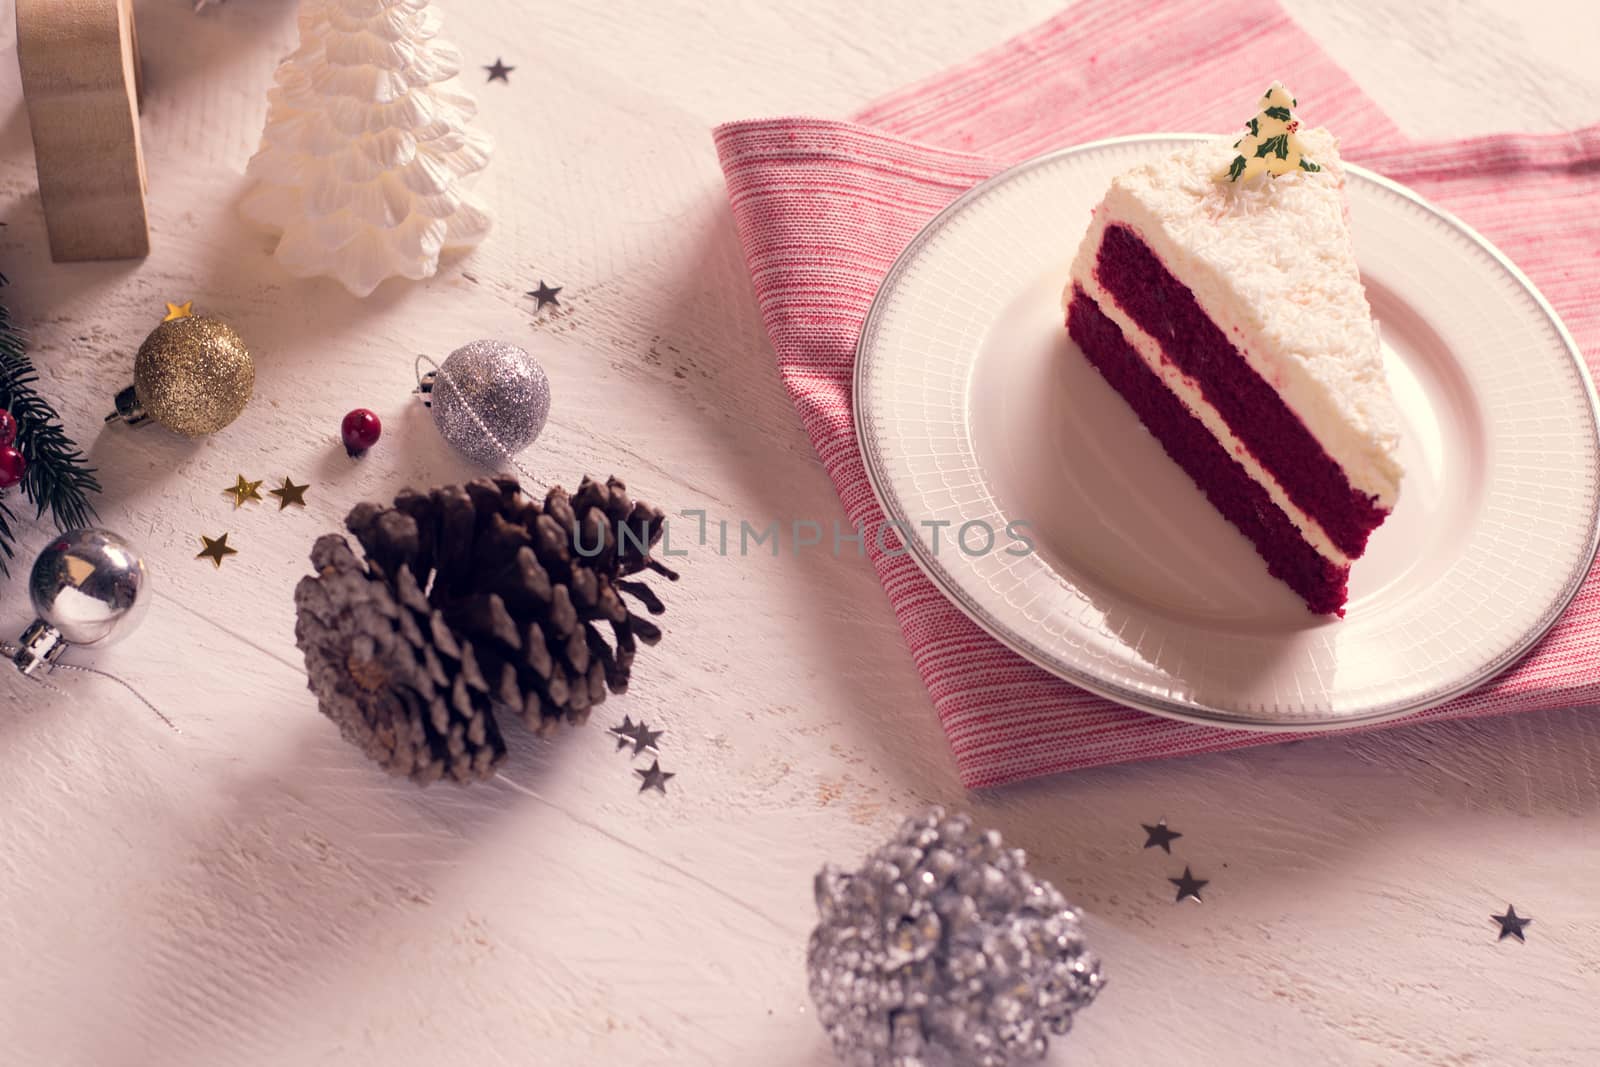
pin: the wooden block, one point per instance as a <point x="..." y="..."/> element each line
<point x="81" y="79"/>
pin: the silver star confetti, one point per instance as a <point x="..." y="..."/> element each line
<point x="1159" y="835"/>
<point x="623" y="733"/>
<point x="1511" y="924"/>
<point x="643" y="738"/>
<point x="1189" y="886"/>
<point x="545" y="294"/>
<point x="654" y="777"/>
<point x="637" y="734"/>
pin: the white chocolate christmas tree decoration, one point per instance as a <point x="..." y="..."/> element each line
<point x="1271" y="144"/>
<point x="366" y="146"/>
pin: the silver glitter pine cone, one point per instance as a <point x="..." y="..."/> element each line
<point x="943" y="951"/>
<point x="490" y="400"/>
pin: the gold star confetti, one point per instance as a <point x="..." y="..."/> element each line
<point x="179" y="311"/>
<point x="216" y="549"/>
<point x="243" y="492"/>
<point x="290" y="494"/>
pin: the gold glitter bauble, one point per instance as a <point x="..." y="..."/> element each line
<point x="193" y="375"/>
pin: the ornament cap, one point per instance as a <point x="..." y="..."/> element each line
<point x="128" y="408"/>
<point x="425" y="383"/>
<point x="40" y="646"/>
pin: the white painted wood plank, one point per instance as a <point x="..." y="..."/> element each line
<point x="251" y="892"/>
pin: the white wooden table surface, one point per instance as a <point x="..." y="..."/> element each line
<point x="252" y="892"/>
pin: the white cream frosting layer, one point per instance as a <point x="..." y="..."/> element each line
<point x="1272" y="263"/>
<point x="1188" y="391"/>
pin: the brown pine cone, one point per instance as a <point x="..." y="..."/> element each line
<point x="475" y="599"/>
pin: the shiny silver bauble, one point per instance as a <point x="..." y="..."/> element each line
<point x="88" y="589"/>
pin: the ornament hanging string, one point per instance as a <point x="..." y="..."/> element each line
<point x="10" y="650"/>
<point x="440" y="374"/>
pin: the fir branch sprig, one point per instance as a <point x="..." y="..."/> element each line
<point x="58" y="477"/>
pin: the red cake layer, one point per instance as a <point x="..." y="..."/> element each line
<point x="1229" y="487"/>
<point x="1167" y="310"/>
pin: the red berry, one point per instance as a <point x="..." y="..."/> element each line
<point x="8" y="428"/>
<point x="360" y="430"/>
<point x="12" y="467"/>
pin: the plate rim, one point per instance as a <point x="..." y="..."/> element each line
<point x="1198" y="712"/>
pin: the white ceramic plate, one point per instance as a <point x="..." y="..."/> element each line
<point x="973" y="406"/>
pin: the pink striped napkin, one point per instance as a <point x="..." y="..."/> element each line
<point x="823" y="208"/>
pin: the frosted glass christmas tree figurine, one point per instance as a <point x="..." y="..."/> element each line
<point x="366" y="147"/>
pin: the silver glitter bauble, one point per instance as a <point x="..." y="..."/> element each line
<point x="943" y="950"/>
<point x="490" y="400"/>
<point x="88" y="589"/>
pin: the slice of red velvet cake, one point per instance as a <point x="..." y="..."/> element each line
<point x="1217" y="291"/>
